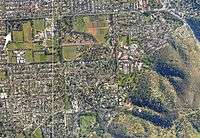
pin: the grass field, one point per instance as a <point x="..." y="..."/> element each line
<point x="123" y="40"/>
<point x="69" y="52"/>
<point x="80" y="23"/>
<point x="102" y="29"/>
<point x="27" y="29"/>
<point x="20" y="136"/>
<point x="55" y="42"/>
<point x="2" y="75"/>
<point x="98" y="27"/>
<point x="13" y="46"/>
<point x="67" y="103"/>
<point x="28" y="48"/>
<point x="37" y="134"/>
<point x="87" y="122"/>
<point x="18" y="36"/>
<point x="38" y="26"/>
<point x="40" y="57"/>
<point x="23" y="40"/>
<point x="101" y="33"/>
<point x="28" y="56"/>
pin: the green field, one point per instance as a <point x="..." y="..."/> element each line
<point x="87" y="122"/>
<point x="102" y="28"/>
<point x="37" y="133"/>
<point x="38" y="26"/>
<point x="123" y="40"/>
<point x="2" y="75"/>
<point x="37" y="46"/>
<point x="101" y="33"/>
<point x="23" y="36"/>
<point x="67" y="103"/>
<point x="20" y="136"/>
<point x="53" y="43"/>
<point x="69" y="52"/>
<point x="23" y="40"/>
<point x="18" y="36"/>
<point x="13" y="46"/>
<point x="28" y="56"/>
<point x="27" y="29"/>
<point x="83" y="23"/>
<point x="80" y="23"/>
<point x="28" y="48"/>
<point x="40" y="57"/>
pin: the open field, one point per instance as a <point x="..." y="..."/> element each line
<point x="40" y="57"/>
<point x="18" y="36"/>
<point x="80" y="23"/>
<point x="27" y="29"/>
<point x="69" y="52"/>
<point x="2" y="75"/>
<point x="97" y="26"/>
<point x="87" y="122"/>
<point x="38" y="26"/>
<point x="37" y="133"/>
<point x="23" y="41"/>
